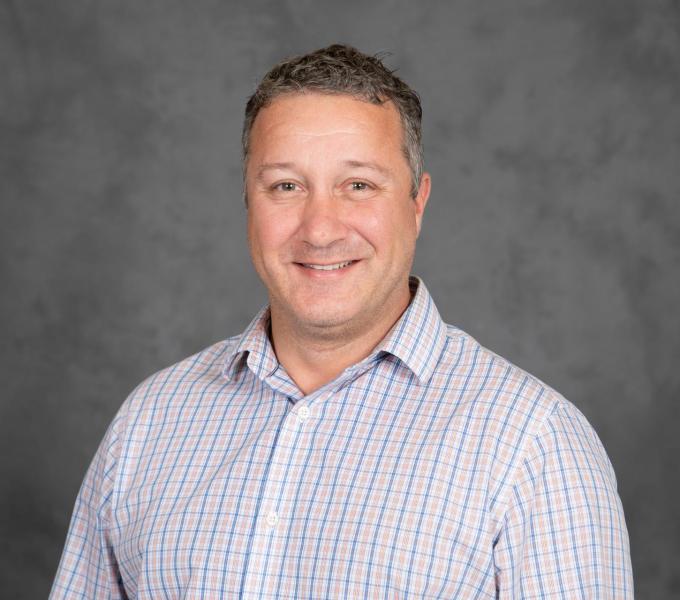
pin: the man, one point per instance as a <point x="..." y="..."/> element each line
<point x="348" y="444"/>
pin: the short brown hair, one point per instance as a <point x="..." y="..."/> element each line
<point x="342" y="69"/>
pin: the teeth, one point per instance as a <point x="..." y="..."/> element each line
<point x="328" y="267"/>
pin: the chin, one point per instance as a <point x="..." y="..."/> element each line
<point x="324" y="318"/>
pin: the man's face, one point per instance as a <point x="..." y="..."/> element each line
<point x="331" y="223"/>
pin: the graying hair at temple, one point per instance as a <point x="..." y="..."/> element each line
<point x="341" y="69"/>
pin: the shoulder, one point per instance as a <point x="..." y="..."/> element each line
<point x="158" y="400"/>
<point x="493" y="386"/>
<point x="164" y="388"/>
<point x="204" y="365"/>
<point x="521" y="420"/>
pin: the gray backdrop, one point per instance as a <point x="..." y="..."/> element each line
<point x="552" y="131"/>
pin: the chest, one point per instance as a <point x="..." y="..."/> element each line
<point x="314" y="502"/>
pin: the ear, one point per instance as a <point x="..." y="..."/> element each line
<point x="421" y="199"/>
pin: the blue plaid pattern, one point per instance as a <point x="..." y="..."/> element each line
<point x="431" y="469"/>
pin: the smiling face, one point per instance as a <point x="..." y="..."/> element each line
<point x="331" y="223"/>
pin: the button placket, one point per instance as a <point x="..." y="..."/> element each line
<point x="270" y="517"/>
<point x="277" y="475"/>
<point x="284" y="450"/>
<point x="283" y="453"/>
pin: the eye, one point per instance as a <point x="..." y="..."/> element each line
<point x="285" y="186"/>
<point x="359" y="186"/>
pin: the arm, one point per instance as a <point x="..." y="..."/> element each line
<point x="564" y="533"/>
<point x="88" y="567"/>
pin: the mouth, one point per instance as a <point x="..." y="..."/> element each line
<point x="319" y="269"/>
<point x="330" y="267"/>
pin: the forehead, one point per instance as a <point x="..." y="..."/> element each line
<point x="315" y="120"/>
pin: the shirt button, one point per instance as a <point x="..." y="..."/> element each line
<point x="303" y="413"/>
<point x="272" y="518"/>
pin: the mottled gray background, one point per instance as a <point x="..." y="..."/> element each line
<point x="552" y="130"/>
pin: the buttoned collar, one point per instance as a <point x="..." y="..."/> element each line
<point x="416" y="339"/>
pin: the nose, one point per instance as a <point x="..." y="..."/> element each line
<point x="322" y="221"/>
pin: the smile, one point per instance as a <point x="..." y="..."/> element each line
<point x="332" y="267"/>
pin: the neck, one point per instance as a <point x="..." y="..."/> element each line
<point x="314" y="356"/>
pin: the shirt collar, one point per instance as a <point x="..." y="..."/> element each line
<point x="254" y="348"/>
<point x="416" y="339"/>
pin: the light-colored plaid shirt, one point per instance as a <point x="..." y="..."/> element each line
<point x="431" y="469"/>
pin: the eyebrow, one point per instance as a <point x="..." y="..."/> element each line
<point x="272" y="167"/>
<point x="369" y="165"/>
<point x="357" y="164"/>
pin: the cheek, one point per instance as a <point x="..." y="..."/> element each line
<point x="387" y="229"/>
<point x="270" y="232"/>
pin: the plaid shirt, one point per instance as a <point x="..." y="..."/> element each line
<point x="431" y="469"/>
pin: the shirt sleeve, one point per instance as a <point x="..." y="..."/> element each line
<point x="88" y="567"/>
<point x="564" y="534"/>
